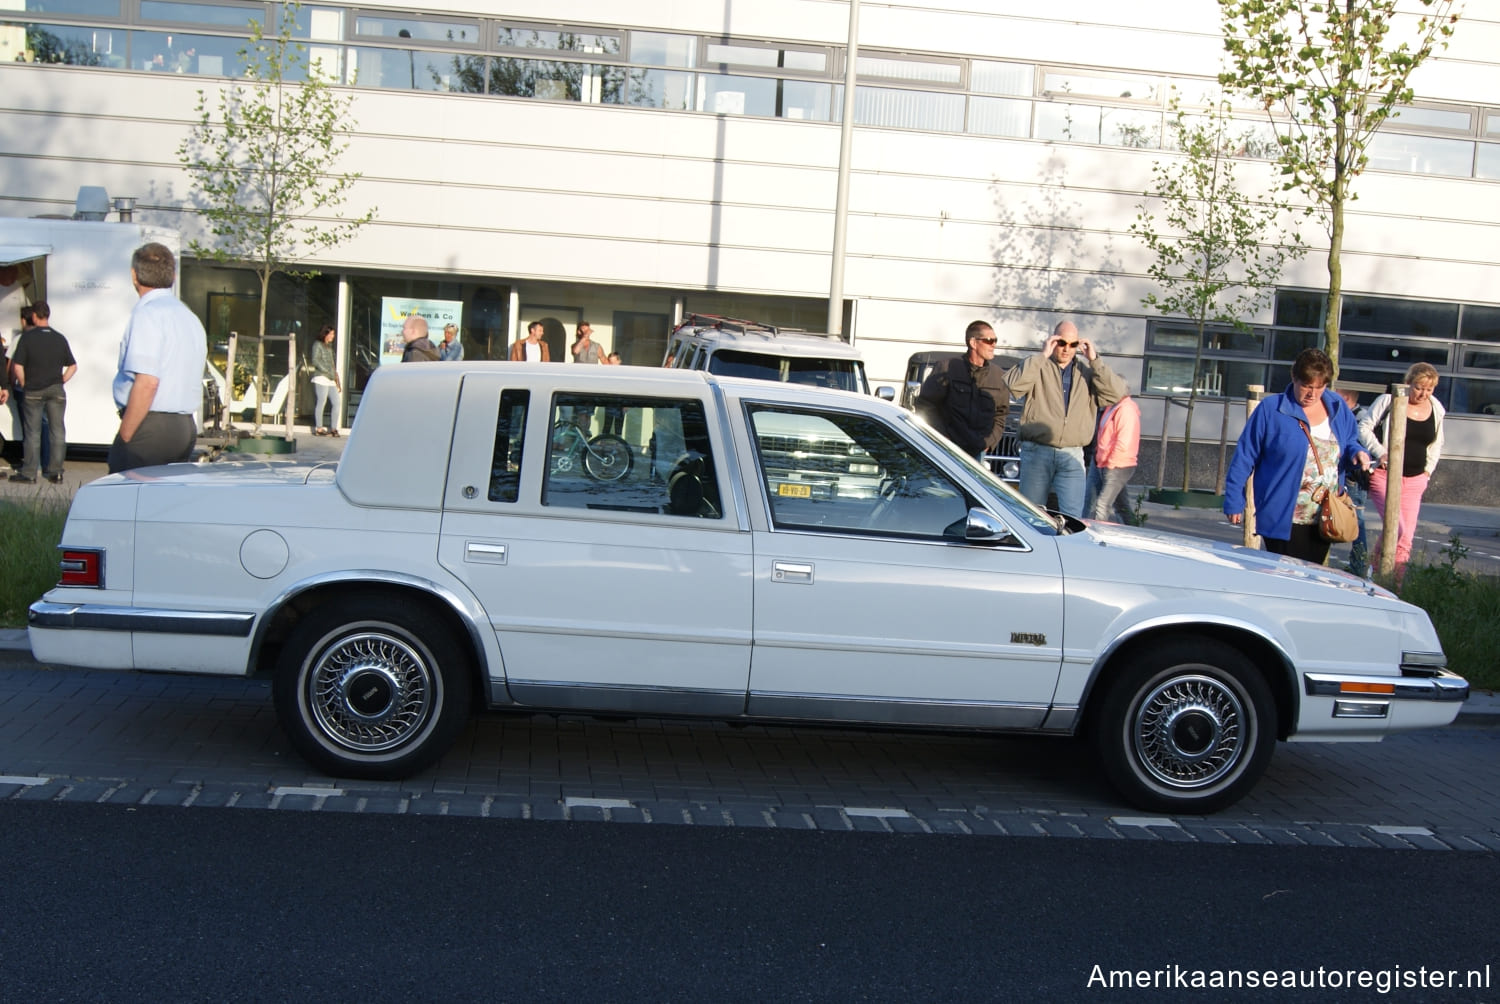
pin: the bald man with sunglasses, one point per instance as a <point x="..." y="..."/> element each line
<point x="1065" y="385"/>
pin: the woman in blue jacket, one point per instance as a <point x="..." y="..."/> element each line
<point x="1274" y="447"/>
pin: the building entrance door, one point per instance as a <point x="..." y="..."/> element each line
<point x="640" y="338"/>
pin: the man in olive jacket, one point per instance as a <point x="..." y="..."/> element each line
<point x="965" y="397"/>
<point x="1064" y="389"/>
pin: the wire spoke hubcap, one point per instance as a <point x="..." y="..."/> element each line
<point x="1190" y="731"/>
<point x="371" y="692"/>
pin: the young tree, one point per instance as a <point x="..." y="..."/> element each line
<point x="1336" y="70"/>
<point x="1216" y="252"/>
<point x="261" y="166"/>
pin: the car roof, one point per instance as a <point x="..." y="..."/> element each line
<point x="387" y="380"/>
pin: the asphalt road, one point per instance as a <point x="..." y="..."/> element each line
<point x="153" y="904"/>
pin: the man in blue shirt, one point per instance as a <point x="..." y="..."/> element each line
<point x="159" y="385"/>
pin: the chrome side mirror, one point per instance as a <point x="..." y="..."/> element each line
<point x="985" y="528"/>
<point x="886" y="393"/>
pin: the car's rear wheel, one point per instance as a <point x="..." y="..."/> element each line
<point x="371" y="688"/>
<point x="1188" y="727"/>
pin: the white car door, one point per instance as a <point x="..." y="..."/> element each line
<point x="615" y="577"/>
<point x="869" y="603"/>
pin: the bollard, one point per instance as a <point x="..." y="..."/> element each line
<point x="1253" y="394"/>
<point x="1395" y="456"/>
<point x="1161" y="458"/>
<point x="1223" y="442"/>
<point x="234" y="345"/>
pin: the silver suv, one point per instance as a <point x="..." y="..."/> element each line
<point x="737" y="348"/>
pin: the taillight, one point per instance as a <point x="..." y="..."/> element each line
<point x="82" y="567"/>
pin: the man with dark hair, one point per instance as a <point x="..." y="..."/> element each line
<point x="531" y="348"/>
<point x="159" y="385"/>
<point x="966" y="397"/>
<point x="42" y="365"/>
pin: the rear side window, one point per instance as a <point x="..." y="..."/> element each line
<point x="510" y="433"/>
<point x="631" y="454"/>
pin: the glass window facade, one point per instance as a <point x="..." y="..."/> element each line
<point x="932" y="92"/>
<point x="1380" y="337"/>
<point x="226" y="15"/>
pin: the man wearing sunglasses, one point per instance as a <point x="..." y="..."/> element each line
<point x="1065" y="386"/>
<point x="965" y="398"/>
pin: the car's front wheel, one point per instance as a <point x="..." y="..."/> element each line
<point x="371" y="689"/>
<point x="1188" y="727"/>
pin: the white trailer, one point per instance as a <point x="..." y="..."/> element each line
<point x="82" y="269"/>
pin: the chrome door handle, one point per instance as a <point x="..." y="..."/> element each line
<point x="493" y="554"/>
<point x="792" y="571"/>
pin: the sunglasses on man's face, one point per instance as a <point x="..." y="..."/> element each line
<point x="1067" y="345"/>
<point x="987" y="341"/>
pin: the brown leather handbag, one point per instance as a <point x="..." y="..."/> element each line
<point x="1337" y="520"/>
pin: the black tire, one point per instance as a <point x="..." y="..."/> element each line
<point x="1188" y="727"/>
<point x="608" y="458"/>
<point x="371" y="688"/>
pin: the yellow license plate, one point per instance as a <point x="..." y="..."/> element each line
<point x="794" y="491"/>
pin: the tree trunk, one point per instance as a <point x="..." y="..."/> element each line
<point x="1336" y="247"/>
<point x="1187" y="427"/>
<point x="260" y="352"/>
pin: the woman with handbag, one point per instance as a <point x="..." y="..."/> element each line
<point x="1297" y="445"/>
<point x="1424" y="447"/>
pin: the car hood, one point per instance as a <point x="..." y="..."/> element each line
<point x="1192" y="555"/>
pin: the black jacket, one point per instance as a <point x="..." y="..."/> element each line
<point x="420" y="350"/>
<point x="966" y="407"/>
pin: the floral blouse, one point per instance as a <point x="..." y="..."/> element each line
<point x="1308" y="492"/>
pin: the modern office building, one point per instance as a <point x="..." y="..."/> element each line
<point x="627" y="163"/>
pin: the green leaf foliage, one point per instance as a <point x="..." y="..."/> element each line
<point x="1333" y="72"/>
<point x="260" y="160"/>
<point x="1216" y="252"/>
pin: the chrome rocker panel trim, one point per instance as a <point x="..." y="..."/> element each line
<point x="98" y="617"/>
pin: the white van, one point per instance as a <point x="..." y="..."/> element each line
<point x="82" y="269"/>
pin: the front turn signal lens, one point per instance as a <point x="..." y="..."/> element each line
<point x="1367" y="688"/>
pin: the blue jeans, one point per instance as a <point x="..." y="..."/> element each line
<point x="51" y="401"/>
<point x="1056" y="470"/>
<point x="1359" y="549"/>
<point x="1109" y="494"/>
<point x="322" y="394"/>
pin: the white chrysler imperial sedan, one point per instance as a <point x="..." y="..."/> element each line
<point x="623" y="540"/>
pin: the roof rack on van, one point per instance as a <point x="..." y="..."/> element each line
<point x="725" y="324"/>
<point x="737" y="326"/>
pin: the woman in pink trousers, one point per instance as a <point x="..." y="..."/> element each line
<point x="1424" y="445"/>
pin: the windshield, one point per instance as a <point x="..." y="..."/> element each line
<point x="810" y="371"/>
<point x="1006" y="497"/>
